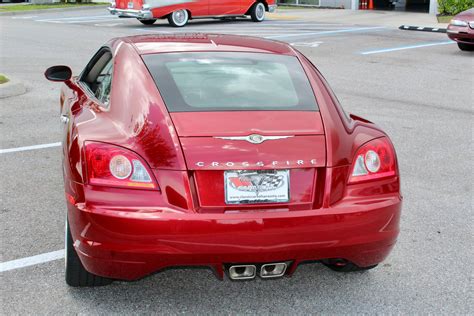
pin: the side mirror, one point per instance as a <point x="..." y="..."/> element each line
<point x="58" y="73"/>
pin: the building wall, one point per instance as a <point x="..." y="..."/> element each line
<point x="350" y="4"/>
<point x="320" y="3"/>
<point x="346" y="4"/>
<point x="300" y="2"/>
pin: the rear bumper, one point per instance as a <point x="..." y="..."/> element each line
<point x="461" y="34"/>
<point x="130" y="245"/>
<point x="130" y="13"/>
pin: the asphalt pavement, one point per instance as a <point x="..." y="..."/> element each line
<point x="416" y="85"/>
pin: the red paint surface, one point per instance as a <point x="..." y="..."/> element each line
<point x="463" y="34"/>
<point x="197" y="8"/>
<point x="128" y="233"/>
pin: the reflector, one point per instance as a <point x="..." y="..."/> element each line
<point x="139" y="172"/>
<point x="375" y="160"/>
<point x="110" y="165"/>
<point x="359" y="167"/>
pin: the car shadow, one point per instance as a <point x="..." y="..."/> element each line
<point x="163" y="24"/>
<point x="198" y="291"/>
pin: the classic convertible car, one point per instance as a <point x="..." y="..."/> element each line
<point x="220" y="151"/>
<point x="179" y="12"/>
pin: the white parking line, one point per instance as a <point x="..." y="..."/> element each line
<point x="79" y="21"/>
<point x="305" y="24"/>
<point x="265" y="31"/>
<point x="31" y="261"/>
<point x="76" y="18"/>
<point x="24" y="17"/>
<point x="307" y="44"/>
<point x="89" y="21"/>
<point x="12" y="150"/>
<point x="108" y="24"/>
<point x="270" y="27"/>
<point x="359" y="29"/>
<point x="276" y="34"/>
<point x="386" y="50"/>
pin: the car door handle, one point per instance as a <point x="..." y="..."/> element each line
<point x="64" y="119"/>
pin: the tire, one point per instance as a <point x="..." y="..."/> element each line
<point x="178" y="18"/>
<point x="147" y="22"/>
<point x="344" y="266"/>
<point x="466" y="47"/>
<point x="257" y="12"/>
<point x="76" y="274"/>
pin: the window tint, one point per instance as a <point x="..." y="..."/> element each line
<point x="229" y="81"/>
<point x="104" y="83"/>
<point x="97" y="75"/>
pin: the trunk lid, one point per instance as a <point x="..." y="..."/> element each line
<point x="215" y="144"/>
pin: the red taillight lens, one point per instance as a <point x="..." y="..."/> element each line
<point x="374" y="160"/>
<point x="111" y="165"/>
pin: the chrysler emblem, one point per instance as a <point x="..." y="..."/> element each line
<point x="254" y="138"/>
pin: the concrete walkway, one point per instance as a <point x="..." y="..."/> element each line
<point x="362" y="17"/>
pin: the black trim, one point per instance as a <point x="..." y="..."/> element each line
<point x="93" y="61"/>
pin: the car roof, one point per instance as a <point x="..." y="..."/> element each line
<point x="185" y="42"/>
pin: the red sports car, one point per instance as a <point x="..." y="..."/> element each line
<point x="179" y="12"/>
<point x="221" y="151"/>
<point x="461" y="30"/>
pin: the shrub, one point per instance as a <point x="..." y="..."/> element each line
<point x="3" y="79"/>
<point x="453" y="7"/>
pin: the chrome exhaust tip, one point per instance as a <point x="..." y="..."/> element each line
<point x="273" y="270"/>
<point x="242" y="272"/>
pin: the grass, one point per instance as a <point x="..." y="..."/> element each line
<point x="3" y="79"/>
<point x="444" y="18"/>
<point x="31" y="7"/>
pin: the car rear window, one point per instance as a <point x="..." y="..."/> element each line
<point x="229" y="81"/>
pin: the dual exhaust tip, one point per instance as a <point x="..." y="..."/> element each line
<point x="249" y="271"/>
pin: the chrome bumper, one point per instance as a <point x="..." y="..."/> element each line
<point x="272" y="8"/>
<point x="130" y="13"/>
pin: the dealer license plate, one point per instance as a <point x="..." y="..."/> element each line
<point x="259" y="186"/>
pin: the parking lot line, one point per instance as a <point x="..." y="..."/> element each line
<point x="393" y="49"/>
<point x="75" y="18"/>
<point x="359" y="29"/>
<point x="89" y="21"/>
<point x="267" y="31"/>
<point x="24" y="17"/>
<point x="25" y="148"/>
<point x="31" y="261"/>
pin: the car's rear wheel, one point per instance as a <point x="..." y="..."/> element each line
<point x="76" y="274"/>
<point x="466" y="47"/>
<point x="147" y="22"/>
<point x="339" y="265"/>
<point x="257" y="12"/>
<point x="178" y="18"/>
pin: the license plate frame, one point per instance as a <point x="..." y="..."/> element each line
<point x="256" y="186"/>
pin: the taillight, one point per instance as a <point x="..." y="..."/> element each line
<point x="110" y="165"/>
<point x="374" y="160"/>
